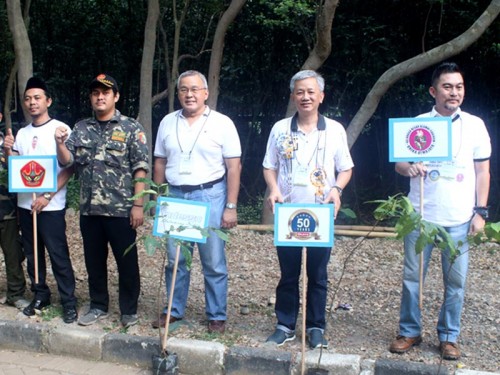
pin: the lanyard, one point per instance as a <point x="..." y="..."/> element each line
<point x="197" y="136"/>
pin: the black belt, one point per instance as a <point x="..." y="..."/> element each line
<point x="190" y="188"/>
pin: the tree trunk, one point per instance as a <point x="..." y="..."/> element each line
<point x="416" y="64"/>
<point x="218" y="49"/>
<point x="22" y="46"/>
<point x="178" y="21"/>
<point x="146" y="84"/>
<point x="323" y="46"/>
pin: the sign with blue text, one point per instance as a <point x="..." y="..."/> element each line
<point x="420" y="139"/>
<point x="31" y="173"/>
<point x="303" y="225"/>
<point x="181" y="218"/>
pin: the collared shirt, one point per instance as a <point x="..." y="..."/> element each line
<point x="315" y="156"/>
<point x="106" y="157"/>
<point x="450" y="186"/>
<point x="39" y="140"/>
<point x="195" y="153"/>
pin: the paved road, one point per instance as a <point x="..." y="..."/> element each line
<point x="14" y="362"/>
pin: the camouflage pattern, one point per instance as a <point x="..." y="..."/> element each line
<point x="8" y="202"/>
<point x="105" y="159"/>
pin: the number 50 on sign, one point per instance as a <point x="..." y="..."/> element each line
<point x="303" y="225"/>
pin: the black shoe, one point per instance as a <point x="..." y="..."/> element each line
<point x="69" y="315"/>
<point x="36" y="304"/>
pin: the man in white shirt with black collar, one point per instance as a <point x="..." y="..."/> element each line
<point x="37" y="138"/>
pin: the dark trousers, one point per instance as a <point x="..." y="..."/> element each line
<point x="51" y="234"/>
<point x="14" y="256"/>
<point x="287" y="292"/>
<point x="97" y="232"/>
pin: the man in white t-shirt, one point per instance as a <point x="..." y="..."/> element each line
<point x="198" y="152"/>
<point x="307" y="161"/>
<point x="37" y="139"/>
<point x="455" y="196"/>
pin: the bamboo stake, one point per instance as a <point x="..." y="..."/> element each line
<point x="367" y="228"/>
<point x="171" y="298"/>
<point x="304" y="308"/>
<point x="337" y="231"/>
<point x="35" y="240"/>
<point x="421" y="279"/>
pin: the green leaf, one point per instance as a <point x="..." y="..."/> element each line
<point x="492" y="231"/>
<point x="149" y="205"/>
<point x="222" y="234"/>
<point x="348" y="212"/>
<point x="151" y="243"/>
<point x="407" y="224"/>
<point x="422" y="241"/>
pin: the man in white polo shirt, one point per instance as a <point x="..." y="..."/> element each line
<point x="456" y="197"/>
<point x="197" y="152"/>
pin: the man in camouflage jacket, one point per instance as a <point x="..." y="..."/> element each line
<point x="108" y="151"/>
<point x="10" y="240"/>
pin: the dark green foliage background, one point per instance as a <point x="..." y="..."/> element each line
<point x="74" y="40"/>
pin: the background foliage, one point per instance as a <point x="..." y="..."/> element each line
<point x="74" y="40"/>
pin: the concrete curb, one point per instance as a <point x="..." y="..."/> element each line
<point x="195" y="356"/>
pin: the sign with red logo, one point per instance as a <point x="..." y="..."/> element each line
<point x="420" y="139"/>
<point x="29" y="174"/>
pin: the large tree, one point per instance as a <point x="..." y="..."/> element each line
<point x="416" y="64"/>
<point x="146" y="82"/>
<point x="23" y="65"/>
<point x="172" y="48"/>
<point x="399" y="71"/>
<point x="323" y="46"/>
<point x="218" y="49"/>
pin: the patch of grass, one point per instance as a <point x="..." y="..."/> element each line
<point x="51" y="312"/>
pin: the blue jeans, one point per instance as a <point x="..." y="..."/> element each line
<point x="454" y="278"/>
<point x="287" y="291"/>
<point x="212" y="256"/>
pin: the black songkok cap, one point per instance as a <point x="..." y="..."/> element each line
<point x="36" y="83"/>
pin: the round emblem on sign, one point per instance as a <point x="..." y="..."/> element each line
<point x="303" y="225"/>
<point x="420" y="139"/>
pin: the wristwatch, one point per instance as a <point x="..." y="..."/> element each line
<point x="339" y="189"/>
<point x="482" y="211"/>
<point x="231" y="206"/>
<point x="47" y="196"/>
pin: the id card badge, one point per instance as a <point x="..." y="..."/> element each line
<point x="185" y="166"/>
<point x="301" y="177"/>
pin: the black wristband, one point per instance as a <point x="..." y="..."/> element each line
<point x="137" y="205"/>
<point x="482" y="211"/>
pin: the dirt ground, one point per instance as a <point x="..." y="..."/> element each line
<point x="371" y="286"/>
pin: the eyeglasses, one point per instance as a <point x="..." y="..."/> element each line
<point x="194" y="90"/>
